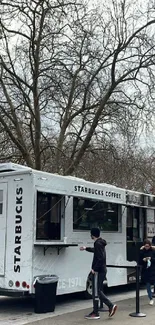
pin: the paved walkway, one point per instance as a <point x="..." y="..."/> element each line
<point x="125" y="307"/>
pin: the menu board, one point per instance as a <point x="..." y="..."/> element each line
<point x="150" y="229"/>
<point x="150" y="216"/>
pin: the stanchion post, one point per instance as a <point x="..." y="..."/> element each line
<point x="137" y="313"/>
<point x="101" y="308"/>
<point x="101" y="304"/>
<point x="153" y="295"/>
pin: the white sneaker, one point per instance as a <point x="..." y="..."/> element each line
<point x="151" y="302"/>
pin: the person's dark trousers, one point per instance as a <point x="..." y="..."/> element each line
<point x="97" y="292"/>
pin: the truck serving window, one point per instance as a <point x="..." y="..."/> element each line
<point x="89" y="213"/>
<point x="133" y="233"/>
<point x="48" y="216"/>
<point x="1" y="201"/>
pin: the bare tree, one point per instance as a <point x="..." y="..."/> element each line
<point x="70" y="75"/>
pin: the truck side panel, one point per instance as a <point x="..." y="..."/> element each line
<point x="18" y="264"/>
<point x="3" y="216"/>
<point x="71" y="265"/>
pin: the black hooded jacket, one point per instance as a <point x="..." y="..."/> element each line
<point x="147" y="274"/>
<point x="99" y="259"/>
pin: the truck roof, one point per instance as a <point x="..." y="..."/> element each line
<point x="9" y="167"/>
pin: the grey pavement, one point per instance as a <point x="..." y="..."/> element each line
<point x="125" y="307"/>
<point x="21" y="311"/>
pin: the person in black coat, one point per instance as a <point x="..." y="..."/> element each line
<point x="147" y="261"/>
<point x="153" y="240"/>
<point x="98" y="272"/>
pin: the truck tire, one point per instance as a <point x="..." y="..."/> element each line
<point x="88" y="292"/>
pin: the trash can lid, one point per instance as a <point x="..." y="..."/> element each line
<point x="45" y="279"/>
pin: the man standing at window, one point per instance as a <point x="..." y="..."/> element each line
<point x="99" y="271"/>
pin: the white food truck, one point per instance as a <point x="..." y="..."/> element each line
<point x="44" y="218"/>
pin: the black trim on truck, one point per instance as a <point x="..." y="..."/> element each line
<point x="13" y="293"/>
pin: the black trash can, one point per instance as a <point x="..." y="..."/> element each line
<point x="45" y="293"/>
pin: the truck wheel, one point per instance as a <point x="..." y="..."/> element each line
<point x="88" y="292"/>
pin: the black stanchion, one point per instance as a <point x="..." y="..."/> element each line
<point x="102" y="309"/>
<point x="153" y="295"/>
<point x="137" y="313"/>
